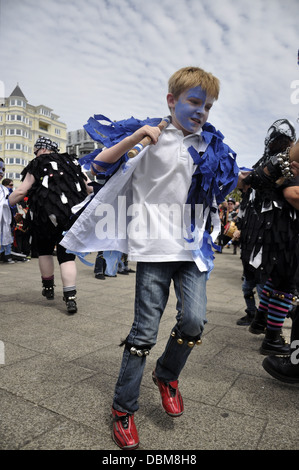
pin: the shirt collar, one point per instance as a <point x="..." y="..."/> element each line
<point x="171" y="127"/>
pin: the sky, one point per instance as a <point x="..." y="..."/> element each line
<point x="114" y="57"/>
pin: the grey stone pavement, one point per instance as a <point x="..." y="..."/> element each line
<point x="59" y="371"/>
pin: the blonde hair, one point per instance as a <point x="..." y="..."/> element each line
<point x="190" y="77"/>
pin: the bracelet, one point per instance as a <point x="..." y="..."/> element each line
<point x="280" y="165"/>
<point x="285" y="164"/>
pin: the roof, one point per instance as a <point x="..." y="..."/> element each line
<point x="18" y="92"/>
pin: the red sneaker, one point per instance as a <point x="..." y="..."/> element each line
<point x="172" y="400"/>
<point x="124" y="433"/>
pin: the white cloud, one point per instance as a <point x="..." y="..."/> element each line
<point x="114" y="57"/>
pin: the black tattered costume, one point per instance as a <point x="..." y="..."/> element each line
<point x="59" y="184"/>
<point x="270" y="225"/>
<point x="269" y="238"/>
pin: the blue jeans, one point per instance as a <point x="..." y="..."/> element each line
<point x="152" y="291"/>
<point x="247" y="289"/>
<point x="6" y="249"/>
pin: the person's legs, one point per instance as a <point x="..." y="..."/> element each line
<point x="248" y="286"/>
<point x="99" y="266"/>
<point x="259" y="323"/>
<point x="45" y="242"/>
<point x="278" y="308"/>
<point x="286" y="369"/>
<point x="46" y="267"/>
<point x="152" y="291"/>
<point x="68" y="273"/>
<point x="190" y="288"/>
<point x="46" y="239"/>
<point x="7" y="257"/>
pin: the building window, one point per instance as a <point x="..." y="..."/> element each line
<point x="16" y="146"/>
<point x="17" y="103"/>
<point x="43" y="126"/>
<point x="45" y="112"/>
<point x="13" y="176"/>
<point x="16" y="161"/>
<point x="17" y="117"/>
<point x="21" y="132"/>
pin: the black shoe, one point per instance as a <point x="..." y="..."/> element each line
<point x="99" y="276"/>
<point x="274" y="344"/>
<point x="71" y="305"/>
<point x="48" y="292"/>
<point x="281" y="368"/>
<point x="259" y="323"/>
<point x="247" y="319"/>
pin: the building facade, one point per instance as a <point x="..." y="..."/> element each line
<point x="80" y="143"/>
<point x="21" y="124"/>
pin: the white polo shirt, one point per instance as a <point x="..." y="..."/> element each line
<point x="160" y="185"/>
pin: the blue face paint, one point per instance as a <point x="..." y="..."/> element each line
<point x="2" y="169"/>
<point x="192" y="110"/>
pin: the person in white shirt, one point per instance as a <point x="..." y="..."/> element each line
<point x="165" y="201"/>
<point x="161" y="208"/>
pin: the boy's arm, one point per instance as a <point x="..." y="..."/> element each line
<point x="112" y="154"/>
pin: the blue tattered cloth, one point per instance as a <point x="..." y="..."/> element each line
<point x="109" y="135"/>
<point x="215" y="177"/>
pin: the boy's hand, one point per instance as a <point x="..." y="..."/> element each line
<point x="150" y="131"/>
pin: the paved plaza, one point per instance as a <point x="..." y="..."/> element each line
<point x="59" y="371"/>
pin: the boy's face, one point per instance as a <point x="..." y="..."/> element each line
<point x="191" y="110"/>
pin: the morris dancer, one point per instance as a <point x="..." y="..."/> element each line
<point x="269" y="224"/>
<point x="54" y="183"/>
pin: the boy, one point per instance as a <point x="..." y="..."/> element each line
<point x="175" y="187"/>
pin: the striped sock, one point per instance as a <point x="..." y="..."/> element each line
<point x="265" y="297"/>
<point x="278" y="308"/>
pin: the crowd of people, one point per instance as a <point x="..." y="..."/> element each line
<point x="188" y="164"/>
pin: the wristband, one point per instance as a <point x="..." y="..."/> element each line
<point x="280" y="165"/>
